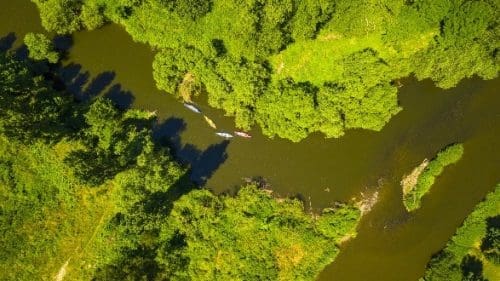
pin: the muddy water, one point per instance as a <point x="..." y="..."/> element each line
<point x="391" y="245"/>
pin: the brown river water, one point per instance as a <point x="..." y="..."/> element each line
<point x="391" y="244"/>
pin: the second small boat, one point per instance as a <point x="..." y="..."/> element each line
<point x="224" y="135"/>
<point x="242" y="134"/>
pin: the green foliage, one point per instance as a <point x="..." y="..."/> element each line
<point x="60" y="16"/>
<point x="40" y="48"/>
<point x="289" y="112"/>
<point x="92" y="15"/>
<point x="448" y="156"/>
<point x="349" y="52"/>
<point x="31" y="110"/>
<point x="103" y="120"/>
<point x="115" y="142"/>
<point x="462" y="258"/>
<point x="46" y="215"/>
<point x="465" y="47"/>
<point x="266" y="238"/>
<point x="192" y="9"/>
<point x="171" y="65"/>
<point x="202" y="236"/>
<point x="339" y="223"/>
<point x="57" y="195"/>
<point x="309" y="16"/>
<point x="443" y="266"/>
<point x="87" y="191"/>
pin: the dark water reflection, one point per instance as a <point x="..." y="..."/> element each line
<point x="392" y="244"/>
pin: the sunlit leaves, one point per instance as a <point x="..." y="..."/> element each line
<point x="40" y="48"/>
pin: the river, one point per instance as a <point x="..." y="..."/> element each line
<point x="391" y="244"/>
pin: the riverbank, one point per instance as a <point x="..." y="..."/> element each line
<point x="472" y="253"/>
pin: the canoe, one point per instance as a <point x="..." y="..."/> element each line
<point x="210" y="122"/>
<point x="224" y="135"/>
<point x="242" y="134"/>
<point x="192" y="107"/>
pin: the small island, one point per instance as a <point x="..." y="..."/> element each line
<point x="420" y="180"/>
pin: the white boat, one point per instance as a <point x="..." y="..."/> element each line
<point x="224" y="135"/>
<point x="192" y="107"/>
<point x="242" y="134"/>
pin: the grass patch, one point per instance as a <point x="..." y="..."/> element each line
<point x="44" y="209"/>
<point x="320" y="60"/>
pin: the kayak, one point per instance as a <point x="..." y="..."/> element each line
<point x="192" y="107"/>
<point x="224" y="135"/>
<point x="210" y="122"/>
<point x="242" y="134"/>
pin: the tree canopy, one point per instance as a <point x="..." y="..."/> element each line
<point x="40" y="48"/>
<point x="468" y="252"/>
<point x="350" y="53"/>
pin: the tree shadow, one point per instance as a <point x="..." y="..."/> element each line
<point x="77" y="82"/>
<point x="207" y="162"/>
<point x="472" y="268"/>
<point x="99" y="83"/>
<point x="7" y="42"/>
<point x="62" y="44"/>
<point x="491" y="241"/>
<point x="122" y="99"/>
<point x="203" y="164"/>
<point x="168" y="132"/>
<point x="21" y="52"/>
<point x="7" y="45"/>
<point x="74" y="79"/>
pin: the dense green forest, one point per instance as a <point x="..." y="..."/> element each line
<point x="412" y="194"/>
<point x="87" y="194"/>
<point x="473" y="253"/>
<point x="295" y="67"/>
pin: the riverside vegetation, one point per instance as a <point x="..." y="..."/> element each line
<point x="92" y="196"/>
<point x="297" y="67"/>
<point x="86" y="194"/>
<point x="473" y="253"/>
<point x="421" y="180"/>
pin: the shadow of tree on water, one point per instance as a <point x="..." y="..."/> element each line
<point x="63" y="44"/>
<point x="122" y="99"/>
<point x="7" y="42"/>
<point x="203" y="163"/>
<point x="98" y="84"/>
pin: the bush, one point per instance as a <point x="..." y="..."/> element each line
<point x="40" y="47"/>
<point x="446" y="157"/>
